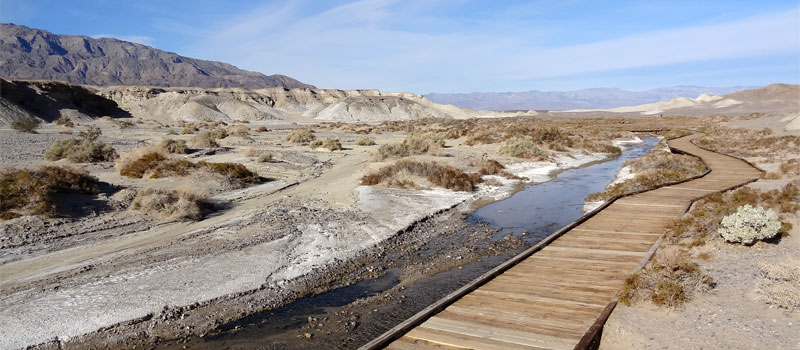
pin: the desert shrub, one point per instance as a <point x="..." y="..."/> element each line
<point x="151" y="161"/>
<point x="423" y="143"/>
<point x="488" y="137"/>
<point x="189" y="129"/>
<point x="550" y="135"/>
<point x="30" y="192"/>
<point x="265" y="158"/>
<point x="365" y="142"/>
<point x="26" y="124"/>
<point x="172" y="167"/>
<point x="493" y="167"/>
<point x="705" y="218"/>
<point x="172" y="204"/>
<point x="654" y="169"/>
<point x="238" y="130"/>
<point x="413" y="144"/>
<point x="749" y="224"/>
<point x="611" y="149"/>
<point x="209" y="138"/>
<point x="261" y="129"/>
<point x="91" y="133"/>
<point x="670" y="279"/>
<point x="391" y="151"/>
<point x="315" y="144"/>
<point x="173" y="146"/>
<point x="522" y="148"/>
<point x="437" y="174"/>
<point x="142" y="165"/>
<point x="301" y="136"/>
<point x="232" y="171"/>
<point x="84" y="149"/>
<point x="332" y="144"/>
<point x="64" y="121"/>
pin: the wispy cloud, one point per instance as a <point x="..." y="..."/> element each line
<point x="375" y="44"/>
<point x="140" y="39"/>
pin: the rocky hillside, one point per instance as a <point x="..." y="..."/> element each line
<point x="30" y="53"/>
<point x="49" y="100"/>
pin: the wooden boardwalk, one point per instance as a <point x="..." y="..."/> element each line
<point x="552" y="298"/>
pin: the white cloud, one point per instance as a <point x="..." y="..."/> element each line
<point x="140" y="39"/>
<point x="373" y="44"/>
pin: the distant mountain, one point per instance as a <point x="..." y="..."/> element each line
<point x="774" y="98"/>
<point x="29" y="53"/>
<point x="597" y="98"/>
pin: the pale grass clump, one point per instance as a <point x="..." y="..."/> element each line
<point x="332" y="145"/>
<point x="208" y="138"/>
<point x="365" y="142"/>
<point x="301" y="136"/>
<point x="238" y="130"/>
<point x="183" y="204"/>
<point x="265" y="158"/>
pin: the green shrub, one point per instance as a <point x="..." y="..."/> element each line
<point x="749" y="224"/>
<point x="26" y="124"/>
<point x="30" y="192"/>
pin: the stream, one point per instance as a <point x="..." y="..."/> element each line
<point x="530" y="215"/>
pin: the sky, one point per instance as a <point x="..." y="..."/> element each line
<point x="427" y="46"/>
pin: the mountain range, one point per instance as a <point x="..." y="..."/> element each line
<point x="30" y="53"/>
<point x="596" y="98"/>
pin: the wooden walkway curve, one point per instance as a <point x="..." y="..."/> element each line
<point x="551" y="299"/>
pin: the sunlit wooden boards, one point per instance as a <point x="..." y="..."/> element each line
<point x="550" y="299"/>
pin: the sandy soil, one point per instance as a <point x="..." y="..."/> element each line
<point x="309" y="225"/>
<point x="733" y="317"/>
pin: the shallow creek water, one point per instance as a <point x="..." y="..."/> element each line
<point x="531" y="214"/>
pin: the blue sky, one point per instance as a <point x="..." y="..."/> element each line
<point x="457" y="46"/>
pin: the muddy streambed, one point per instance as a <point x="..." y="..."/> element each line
<point x="421" y="266"/>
